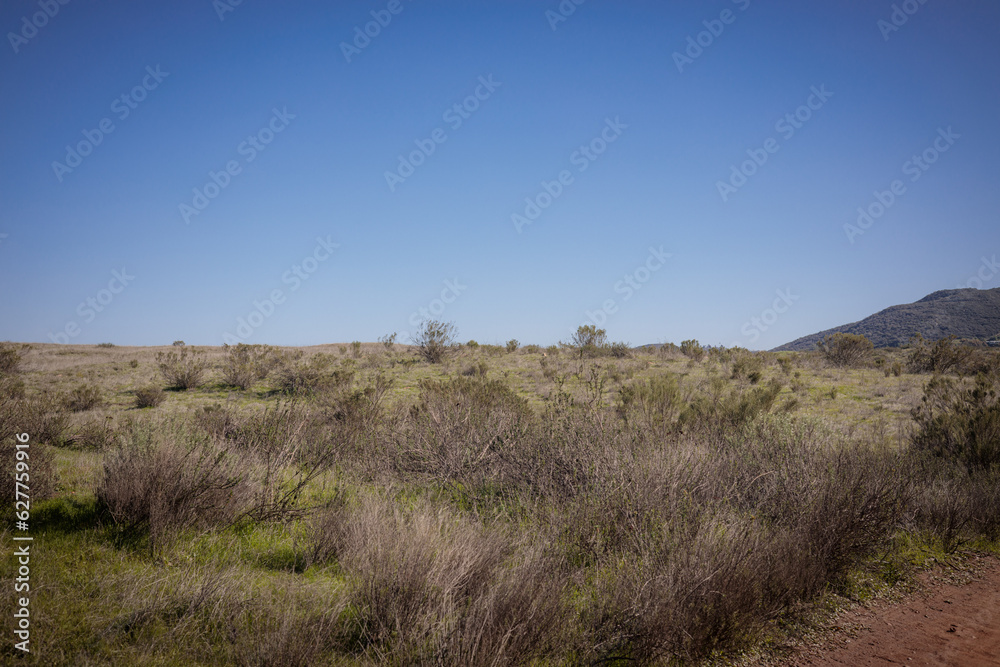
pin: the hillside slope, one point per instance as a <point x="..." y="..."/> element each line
<point x="965" y="313"/>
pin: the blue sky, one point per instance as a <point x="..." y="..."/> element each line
<point x="622" y="122"/>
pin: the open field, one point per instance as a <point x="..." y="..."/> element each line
<point x="356" y="504"/>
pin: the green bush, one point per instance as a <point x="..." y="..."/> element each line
<point x="513" y="344"/>
<point x="692" y="349"/>
<point x="942" y="356"/>
<point x="960" y="423"/>
<point x="434" y="339"/>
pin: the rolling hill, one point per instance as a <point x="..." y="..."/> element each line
<point x="965" y="313"/>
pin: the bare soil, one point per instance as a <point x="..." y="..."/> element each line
<point x="952" y="619"/>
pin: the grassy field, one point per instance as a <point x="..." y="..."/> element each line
<point x="356" y="504"/>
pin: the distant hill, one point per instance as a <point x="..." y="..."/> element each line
<point x="965" y="313"/>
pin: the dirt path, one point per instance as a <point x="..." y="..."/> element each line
<point x="943" y="623"/>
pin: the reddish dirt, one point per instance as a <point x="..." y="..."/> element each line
<point x="943" y="623"/>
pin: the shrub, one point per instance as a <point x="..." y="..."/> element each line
<point x="960" y="423"/>
<point x="478" y="369"/>
<point x="848" y="350"/>
<point x="133" y="363"/>
<point x="178" y="343"/>
<point x="37" y="461"/>
<point x="149" y="396"/>
<point x="388" y="340"/>
<point x="84" y="397"/>
<point x="356" y="349"/>
<point x="105" y="345"/>
<point x="10" y="359"/>
<point x="653" y="404"/>
<point x="95" y="435"/>
<point x="39" y="416"/>
<point x="944" y="355"/>
<point x="620" y="350"/>
<point x="433" y="339"/>
<point x="466" y="429"/>
<point x="182" y="369"/>
<point x="692" y="349"/>
<point x="513" y="344"/>
<point x="588" y="340"/>
<point x="245" y="364"/>
<point x="296" y="376"/>
<point x="159" y="483"/>
<point x="748" y="366"/>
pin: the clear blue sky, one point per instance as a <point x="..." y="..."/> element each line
<point x="330" y="121"/>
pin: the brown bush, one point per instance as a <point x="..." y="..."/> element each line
<point x="159" y="482"/>
<point x="183" y="368"/>
<point x="849" y="350"/>
<point x="149" y="397"/>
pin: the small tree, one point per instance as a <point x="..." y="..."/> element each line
<point x="843" y="349"/>
<point x="588" y="340"/>
<point x="433" y="338"/>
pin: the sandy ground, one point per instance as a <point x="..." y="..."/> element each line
<point x="943" y="623"/>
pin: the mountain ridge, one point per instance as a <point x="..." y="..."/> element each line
<point x="964" y="313"/>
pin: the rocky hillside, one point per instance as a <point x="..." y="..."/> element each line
<point x="965" y="313"/>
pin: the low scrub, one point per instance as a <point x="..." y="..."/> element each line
<point x="246" y="364"/>
<point x="159" y="482"/>
<point x="960" y="423"/>
<point x="84" y="397"/>
<point x="149" y="397"/>
<point x="183" y="368"/>
<point x="847" y="350"/>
